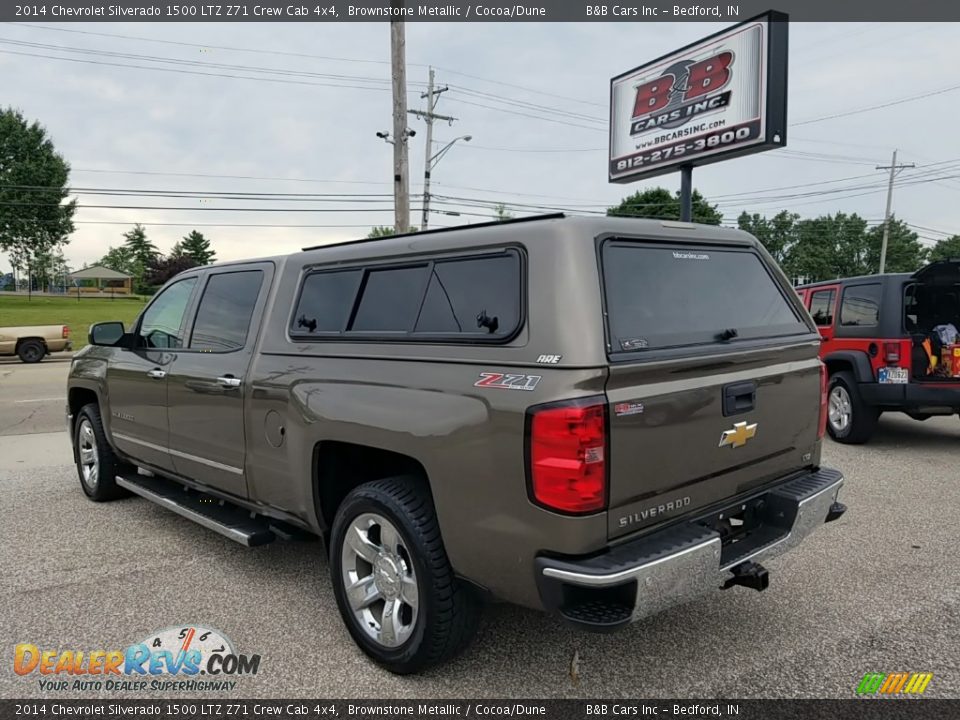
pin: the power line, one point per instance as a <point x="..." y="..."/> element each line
<point x="148" y="223"/>
<point x="230" y="177"/>
<point x="891" y="103"/>
<point x="522" y="103"/>
<point x="192" y="72"/>
<point x="527" y="115"/>
<point x="207" y="46"/>
<point x="195" y="63"/>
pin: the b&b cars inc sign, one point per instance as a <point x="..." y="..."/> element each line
<point x="723" y="96"/>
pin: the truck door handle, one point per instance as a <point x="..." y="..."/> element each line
<point x="156" y="374"/>
<point x="228" y="381"/>
<point x="739" y="398"/>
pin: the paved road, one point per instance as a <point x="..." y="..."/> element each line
<point x="32" y="396"/>
<point x="878" y="590"/>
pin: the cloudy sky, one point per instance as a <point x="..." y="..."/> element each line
<point x="294" y="108"/>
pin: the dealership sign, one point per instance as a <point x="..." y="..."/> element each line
<point x="723" y="96"/>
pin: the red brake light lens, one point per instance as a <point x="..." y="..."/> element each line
<point x="66" y="331"/>
<point x="824" y="401"/>
<point x="567" y="456"/>
<point x="891" y="353"/>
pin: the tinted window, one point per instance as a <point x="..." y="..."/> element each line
<point x="480" y="295"/>
<point x="160" y="326"/>
<point x="326" y="301"/>
<point x="667" y="297"/>
<point x="226" y="307"/>
<point x="391" y="299"/>
<point x="821" y="306"/>
<point x="860" y="305"/>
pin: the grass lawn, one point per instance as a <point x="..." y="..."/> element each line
<point x="41" y="310"/>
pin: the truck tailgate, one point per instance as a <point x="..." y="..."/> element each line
<point x="714" y="384"/>
<point x="673" y="449"/>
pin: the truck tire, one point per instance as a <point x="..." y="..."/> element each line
<point x="849" y="419"/>
<point x="97" y="464"/>
<point x="31" y="351"/>
<point x="394" y="586"/>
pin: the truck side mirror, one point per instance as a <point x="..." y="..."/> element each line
<point x="105" y="333"/>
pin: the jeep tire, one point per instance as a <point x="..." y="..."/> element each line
<point x="849" y="419"/>
<point x="97" y="464"/>
<point x="393" y="583"/>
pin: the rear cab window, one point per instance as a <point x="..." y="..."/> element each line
<point x="672" y="296"/>
<point x="461" y="299"/>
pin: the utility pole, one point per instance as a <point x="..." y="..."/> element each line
<point x="401" y="181"/>
<point x="894" y="169"/>
<point x="432" y="96"/>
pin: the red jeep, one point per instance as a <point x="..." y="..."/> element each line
<point x="889" y="344"/>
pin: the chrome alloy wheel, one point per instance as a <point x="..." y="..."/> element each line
<point x="841" y="409"/>
<point x="89" y="458"/>
<point x="379" y="580"/>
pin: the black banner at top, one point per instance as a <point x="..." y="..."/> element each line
<point x="488" y="11"/>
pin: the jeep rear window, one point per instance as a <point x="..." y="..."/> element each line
<point x="662" y="297"/>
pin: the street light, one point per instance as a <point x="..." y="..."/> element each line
<point x="429" y="166"/>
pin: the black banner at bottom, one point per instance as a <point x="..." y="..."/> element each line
<point x="188" y="709"/>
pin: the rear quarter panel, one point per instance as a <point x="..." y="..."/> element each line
<point x="469" y="440"/>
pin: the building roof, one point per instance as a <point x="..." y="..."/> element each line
<point x="98" y="272"/>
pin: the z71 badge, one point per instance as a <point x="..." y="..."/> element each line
<point x="507" y="381"/>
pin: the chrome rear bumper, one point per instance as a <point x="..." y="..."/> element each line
<point x="672" y="566"/>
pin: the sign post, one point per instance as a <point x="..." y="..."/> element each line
<point x="719" y="98"/>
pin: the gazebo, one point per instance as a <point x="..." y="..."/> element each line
<point x="100" y="279"/>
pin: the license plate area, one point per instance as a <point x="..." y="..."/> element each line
<point x="893" y="376"/>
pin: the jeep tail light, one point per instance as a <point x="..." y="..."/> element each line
<point x="567" y="457"/>
<point x="891" y="353"/>
<point x="66" y="332"/>
<point x="824" y="402"/>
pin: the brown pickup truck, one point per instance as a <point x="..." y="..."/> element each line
<point x="596" y="417"/>
<point x="33" y="343"/>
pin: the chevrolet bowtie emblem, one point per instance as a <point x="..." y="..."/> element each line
<point x="739" y="435"/>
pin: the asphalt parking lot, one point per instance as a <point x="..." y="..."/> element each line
<point x="877" y="591"/>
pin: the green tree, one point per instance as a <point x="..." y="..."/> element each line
<point x="828" y="247"/>
<point x="379" y="231"/>
<point x="196" y="247"/>
<point x="119" y="259"/>
<point x="778" y="234"/>
<point x="162" y="269"/>
<point x="905" y="253"/>
<point x="34" y="219"/>
<point x="661" y="203"/>
<point x="50" y="268"/>
<point x="143" y="253"/>
<point x="946" y="249"/>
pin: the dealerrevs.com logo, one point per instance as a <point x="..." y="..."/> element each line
<point x="186" y="658"/>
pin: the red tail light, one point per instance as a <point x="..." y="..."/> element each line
<point x="891" y="353"/>
<point x="567" y="456"/>
<point x="66" y="332"/>
<point x="824" y="402"/>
